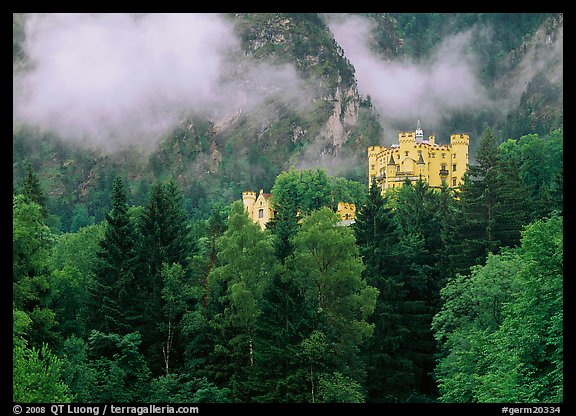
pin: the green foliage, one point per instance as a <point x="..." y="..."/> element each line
<point x="36" y="372"/>
<point x="540" y="164"/>
<point x="493" y="203"/>
<point x="72" y="281"/>
<point x="501" y="327"/>
<point x="32" y="241"/>
<point x="174" y="388"/>
<point x="246" y="267"/>
<point x="337" y="388"/>
<point x="36" y="375"/>
<point x="121" y="372"/>
<point x="32" y="190"/>
<point x="327" y="268"/>
<point x="115" y="289"/>
<point x="195" y="304"/>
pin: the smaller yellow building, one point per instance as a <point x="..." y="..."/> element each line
<point x="347" y="212"/>
<point x="259" y="209"/>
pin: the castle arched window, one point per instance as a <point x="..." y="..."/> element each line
<point x="261" y="213"/>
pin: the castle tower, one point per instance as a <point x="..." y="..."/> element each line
<point x="459" y="157"/>
<point x="373" y="152"/>
<point x="249" y="198"/>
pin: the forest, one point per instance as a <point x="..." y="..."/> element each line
<point x="431" y="296"/>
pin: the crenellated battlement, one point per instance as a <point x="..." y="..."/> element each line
<point x="408" y="136"/>
<point x="248" y="195"/>
<point x="459" y="139"/>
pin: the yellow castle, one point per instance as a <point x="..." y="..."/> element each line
<point x="414" y="157"/>
<point x="260" y="210"/>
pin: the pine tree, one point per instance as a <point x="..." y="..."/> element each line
<point x="116" y="295"/>
<point x="493" y="206"/>
<point x="32" y="190"/>
<point x="376" y="240"/>
<point x="164" y="239"/>
<point x="285" y="321"/>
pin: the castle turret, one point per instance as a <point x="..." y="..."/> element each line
<point x="249" y="198"/>
<point x="459" y="158"/>
<point x="373" y="152"/>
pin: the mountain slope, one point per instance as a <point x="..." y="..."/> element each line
<point x="298" y="103"/>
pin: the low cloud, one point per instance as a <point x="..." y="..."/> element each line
<point x="405" y="90"/>
<point x="110" y="81"/>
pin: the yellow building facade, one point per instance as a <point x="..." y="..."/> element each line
<point x="346" y="211"/>
<point x="414" y="157"/>
<point x="260" y="210"/>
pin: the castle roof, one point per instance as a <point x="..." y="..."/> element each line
<point x="421" y="159"/>
<point x="264" y="194"/>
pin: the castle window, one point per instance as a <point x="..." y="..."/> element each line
<point x="443" y="155"/>
<point x="453" y="181"/>
<point x="454" y="168"/>
<point x="397" y="168"/>
<point x="261" y="213"/>
<point x="405" y="153"/>
<point x="433" y="155"/>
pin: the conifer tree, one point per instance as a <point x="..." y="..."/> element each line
<point x="493" y="206"/>
<point x="116" y="295"/>
<point x="32" y="190"/>
<point x="164" y="239"/>
<point x="376" y="240"/>
<point x="285" y="321"/>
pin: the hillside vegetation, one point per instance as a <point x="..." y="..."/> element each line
<point x="139" y="278"/>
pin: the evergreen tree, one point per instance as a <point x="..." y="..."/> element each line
<point x="377" y="240"/>
<point x="164" y="239"/>
<point x="285" y="321"/>
<point x="493" y="205"/>
<point x="32" y="190"/>
<point x="417" y="227"/>
<point x="116" y="295"/>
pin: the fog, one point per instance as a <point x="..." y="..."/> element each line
<point x="111" y="81"/>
